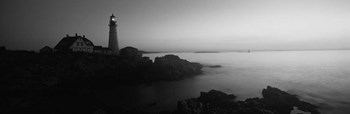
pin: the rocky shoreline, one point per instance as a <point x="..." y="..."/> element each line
<point x="274" y="101"/>
<point x="69" y="83"/>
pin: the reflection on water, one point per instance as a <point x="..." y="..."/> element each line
<point x="318" y="77"/>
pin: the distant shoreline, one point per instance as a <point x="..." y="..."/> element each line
<point x="243" y="51"/>
<point x="206" y="52"/>
<point x="3" y="48"/>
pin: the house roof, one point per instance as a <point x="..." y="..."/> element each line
<point x="68" y="41"/>
<point x="46" y="47"/>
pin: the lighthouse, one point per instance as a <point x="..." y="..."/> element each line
<point x="113" y="38"/>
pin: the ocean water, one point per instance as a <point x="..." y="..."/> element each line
<point x="319" y="77"/>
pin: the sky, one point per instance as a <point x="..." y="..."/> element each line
<point x="180" y="25"/>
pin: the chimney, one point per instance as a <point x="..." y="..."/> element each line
<point x="67" y="35"/>
<point x="83" y="36"/>
<point x="76" y="34"/>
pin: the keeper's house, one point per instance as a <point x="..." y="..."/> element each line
<point x="80" y="44"/>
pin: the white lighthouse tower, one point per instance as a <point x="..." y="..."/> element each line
<point x="113" y="38"/>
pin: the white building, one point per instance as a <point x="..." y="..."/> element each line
<point x="76" y="44"/>
<point x="113" y="37"/>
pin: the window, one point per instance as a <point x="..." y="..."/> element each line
<point x="80" y="43"/>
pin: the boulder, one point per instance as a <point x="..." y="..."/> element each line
<point x="215" y="96"/>
<point x="130" y="53"/>
<point x="172" y="57"/>
<point x="189" y="106"/>
<point x="173" y="67"/>
<point x="215" y="66"/>
<point x="284" y="102"/>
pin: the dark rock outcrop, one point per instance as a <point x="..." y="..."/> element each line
<point x="168" y="67"/>
<point x="130" y="53"/>
<point x="190" y="106"/>
<point x="215" y="66"/>
<point x="283" y="102"/>
<point x="173" y="67"/>
<point x="215" y="97"/>
<point x="274" y="101"/>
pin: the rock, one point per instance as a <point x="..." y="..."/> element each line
<point x="189" y="106"/>
<point x="274" y="101"/>
<point x="146" y="61"/>
<point x="215" y="66"/>
<point x="172" y="57"/>
<point x="130" y="53"/>
<point x="283" y="102"/>
<point x="173" y="67"/>
<point x="214" y="96"/>
<point x="253" y="106"/>
<point x="208" y="103"/>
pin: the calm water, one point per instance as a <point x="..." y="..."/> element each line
<point x="318" y="77"/>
